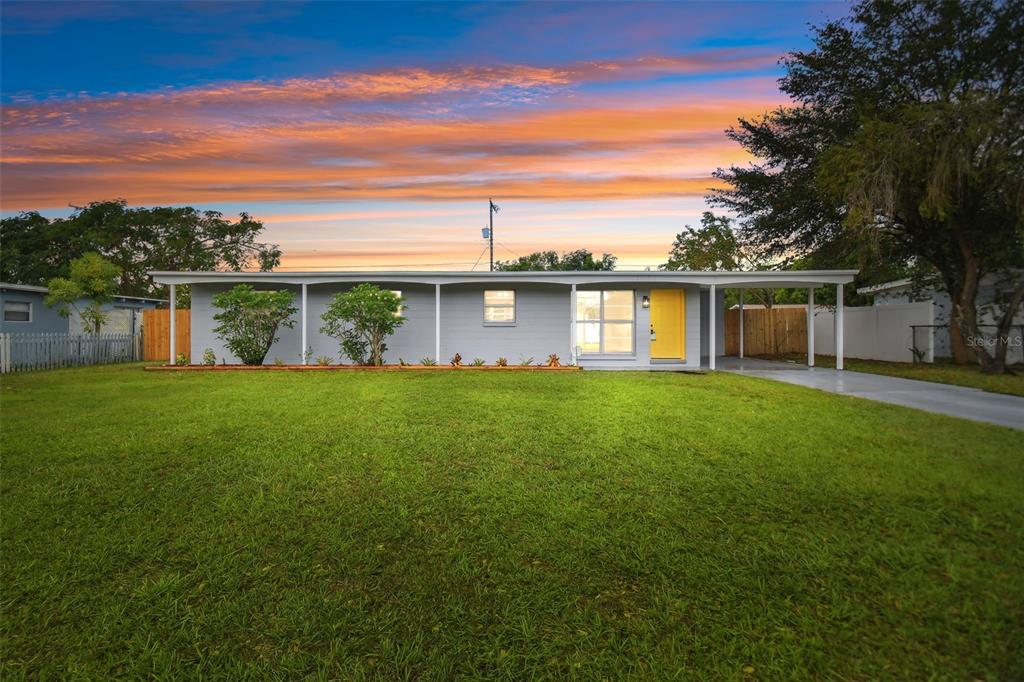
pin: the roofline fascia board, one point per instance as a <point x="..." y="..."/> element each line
<point x="780" y="279"/>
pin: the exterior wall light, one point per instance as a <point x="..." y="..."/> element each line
<point x="645" y="302"/>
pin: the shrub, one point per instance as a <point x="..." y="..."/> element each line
<point x="181" y="360"/>
<point x="249" y="320"/>
<point x="278" y="362"/>
<point x="456" y="360"/>
<point x="553" y="361"/>
<point x="428" y="362"/>
<point x="502" y="362"/>
<point x="402" y="362"/>
<point x="209" y="359"/>
<point x="477" y="362"/>
<point x="525" y="362"/>
<point x="361" y="318"/>
<point x="323" y="360"/>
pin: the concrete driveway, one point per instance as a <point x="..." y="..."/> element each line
<point x="956" y="401"/>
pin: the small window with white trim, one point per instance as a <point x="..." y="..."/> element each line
<point x="17" y="311"/>
<point x="401" y="303"/>
<point x="500" y="307"/>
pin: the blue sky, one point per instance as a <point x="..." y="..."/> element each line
<point x="369" y="134"/>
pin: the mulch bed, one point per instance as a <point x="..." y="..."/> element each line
<point x="360" y="368"/>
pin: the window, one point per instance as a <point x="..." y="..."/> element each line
<point x="500" y="307"/>
<point x="17" y="311"/>
<point x="401" y="303"/>
<point x="604" y="321"/>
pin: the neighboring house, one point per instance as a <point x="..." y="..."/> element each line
<point x="607" y="320"/>
<point x="993" y="290"/>
<point x="24" y="312"/>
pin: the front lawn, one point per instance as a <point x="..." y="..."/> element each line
<point x="516" y="525"/>
<point x="941" y="371"/>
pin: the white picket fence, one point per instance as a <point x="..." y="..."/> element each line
<point x="25" y="352"/>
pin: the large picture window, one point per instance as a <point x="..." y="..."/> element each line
<point x="604" y="321"/>
<point x="500" y="306"/>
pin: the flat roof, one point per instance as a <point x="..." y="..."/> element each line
<point x="44" y="290"/>
<point x="764" y="278"/>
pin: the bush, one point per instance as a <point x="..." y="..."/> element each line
<point x="502" y="362"/>
<point x="477" y="362"/>
<point x="250" y="319"/>
<point x="525" y="362"/>
<point x="456" y="360"/>
<point x="428" y="362"/>
<point x="323" y="360"/>
<point x="361" y="318"/>
<point x="181" y="360"/>
<point x="209" y="359"/>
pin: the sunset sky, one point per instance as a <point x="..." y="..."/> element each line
<point x="372" y="135"/>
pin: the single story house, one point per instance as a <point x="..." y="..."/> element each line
<point x="600" y="320"/>
<point x="24" y="312"/>
<point x="993" y="291"/>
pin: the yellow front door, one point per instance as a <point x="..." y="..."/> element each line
<point x="668" y="326"/>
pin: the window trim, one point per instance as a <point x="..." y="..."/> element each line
<point x="514" y="306"/>
<point x="600" y="322"/>
<point x="31" y="311"/>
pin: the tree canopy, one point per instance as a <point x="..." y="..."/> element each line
<point x="902" y="146"/>
<point x="581" y="259"/>
<point x="35" y="249"/>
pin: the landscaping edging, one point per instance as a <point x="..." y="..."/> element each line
<point x="356" y="368"/>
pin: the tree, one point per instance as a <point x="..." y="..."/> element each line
<point x="249" y="320"/>
<point x="581" y="259"/>
<point x="713" y="247"/>
<point x="893" y="70"/>
<point x="90" y="277"/>
<point x="361" y="318"/>
<point x="948" y="180"/>
<point x="138" y="240"/>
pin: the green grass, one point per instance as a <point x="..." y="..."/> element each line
<point x="943" y="372"/>
<point x="501" y="525"/>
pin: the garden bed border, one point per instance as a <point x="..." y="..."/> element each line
<point x="358" y="368"/>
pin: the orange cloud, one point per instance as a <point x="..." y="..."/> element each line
<point x="345" y="137"/>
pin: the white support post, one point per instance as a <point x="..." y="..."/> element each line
<point x="741" y="324"/>
<point x="572" y="324"/>
<point x="437" y="323"/>
<point x="810" y="326"/>
<point x="839" y="326"/>
<point x="173" y="354"/>
<point x="302" y="312"/>
<point x="712" y="323"/>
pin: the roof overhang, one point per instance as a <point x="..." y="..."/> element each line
<point x="885" y="286"/>
<point x="774" y="279"/>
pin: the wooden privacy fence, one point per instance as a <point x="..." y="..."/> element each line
<point x="24" y="352"/>
<point x="766" y="332"/>
<point x="156" y="333"/>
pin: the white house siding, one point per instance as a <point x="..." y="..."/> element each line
<point x="542" y="325"/>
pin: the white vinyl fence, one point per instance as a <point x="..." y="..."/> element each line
<point x="881" y="332"/>
<point x="24" y="352"/>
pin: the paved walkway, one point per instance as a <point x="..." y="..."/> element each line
<point x="957" y="401"/>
